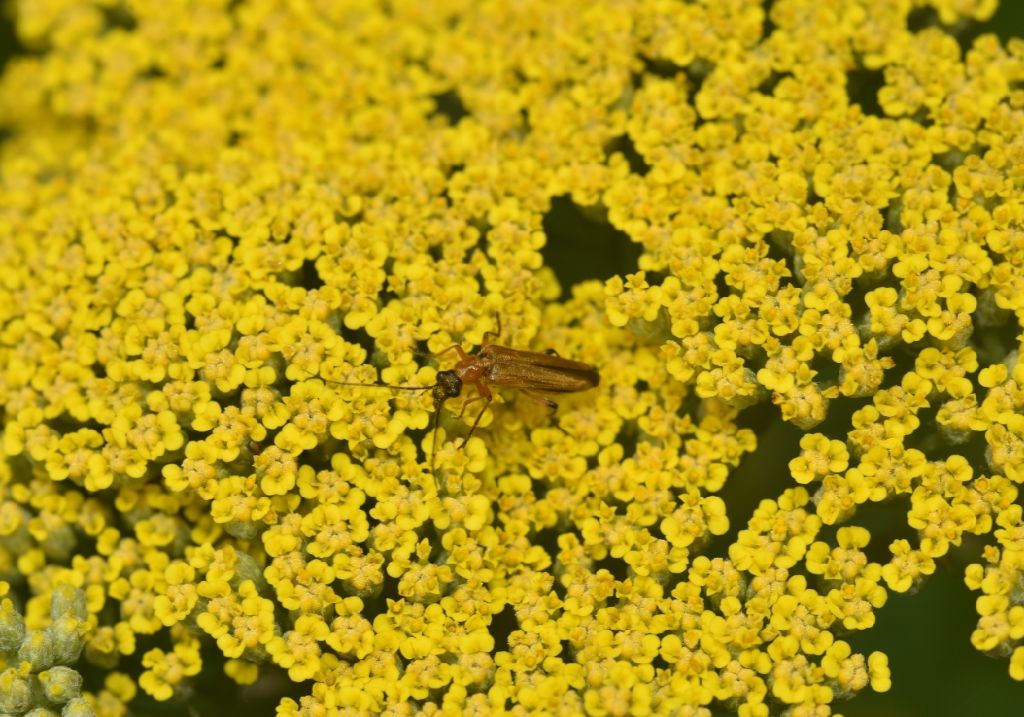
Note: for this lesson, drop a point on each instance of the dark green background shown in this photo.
(927, 635)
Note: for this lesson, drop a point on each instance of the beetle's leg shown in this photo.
(454, 347)
(542, 400)
(495, 334)
(479, 396)
(485, 393)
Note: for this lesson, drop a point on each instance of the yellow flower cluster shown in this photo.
(214, 213)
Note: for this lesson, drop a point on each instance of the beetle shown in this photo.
(530, 372)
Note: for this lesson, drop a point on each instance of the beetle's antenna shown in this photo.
(441, 394)
(433, 448)
(448, 385)
(379, 385)
(476, 422)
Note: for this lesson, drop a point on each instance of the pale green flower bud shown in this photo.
(15, 691)
(60, 684)
(241, 529)
(12, 628)
(78, 707)
(67, 640)
(59, 542)
(41, 712)
(38, 650)
(68, 600)
(247, 568)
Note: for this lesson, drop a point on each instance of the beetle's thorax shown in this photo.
(473, 369)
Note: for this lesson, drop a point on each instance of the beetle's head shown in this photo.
(448, 385)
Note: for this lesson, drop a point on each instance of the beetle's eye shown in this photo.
(455, 388)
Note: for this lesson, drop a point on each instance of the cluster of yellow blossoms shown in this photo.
(212, 212)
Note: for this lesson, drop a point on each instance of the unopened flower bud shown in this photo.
(68, 600)
(78, 707)
(38, 650)
(67, 640)
(60, 684)
(15, 690)
(12, 628)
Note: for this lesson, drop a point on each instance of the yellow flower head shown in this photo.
(245, 242)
